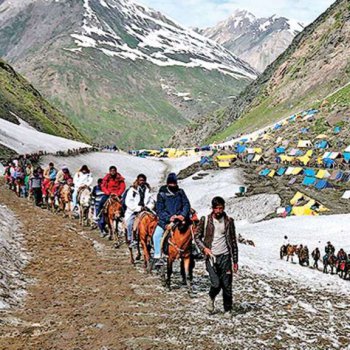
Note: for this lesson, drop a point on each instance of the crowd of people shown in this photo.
(215, 236)
(339, 262)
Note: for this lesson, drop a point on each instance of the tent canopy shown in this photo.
(346, 195)
(281, 171)
(310, 172)
(264, 172)
(323, 174)
(304, 144)
(224, 164)
(309, 181)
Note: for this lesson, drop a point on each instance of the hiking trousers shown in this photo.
(220, 274)
(38, 196)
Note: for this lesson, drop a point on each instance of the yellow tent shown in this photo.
(171, 152)
(226, 157)
(267, 137)
(257, 158)
(279, 139)
(297, 171)
(272, 173)
(323, 174)
(309, 153)
(319, 161)
(322, 137)
(297, 197)
(303, 211)
(225, 164)
(304, 143)
(258, 150)
(285, 158)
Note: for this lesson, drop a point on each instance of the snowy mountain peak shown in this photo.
(259, 41)
(144, 34)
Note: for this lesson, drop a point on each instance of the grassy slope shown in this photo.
(19, 97)
(263, 108)
(125, 103)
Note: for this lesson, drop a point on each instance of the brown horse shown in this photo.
(288, 250)
(50, 196)
(145, 229)
(113, 212)
(64, 199)
(180, 246)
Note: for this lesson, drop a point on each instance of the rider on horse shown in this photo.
(138, 199)
(112, 184)
(216, 237)
(82, 178)
(172, 205)
(329, 249)
(63, 177)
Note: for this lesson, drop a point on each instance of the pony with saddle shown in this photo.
(176, 245)
(113, 215)
(84, 201)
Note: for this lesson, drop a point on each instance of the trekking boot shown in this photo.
(228, 315)
(210, 305)
(159, 262)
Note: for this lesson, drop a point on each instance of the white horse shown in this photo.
(84, 201)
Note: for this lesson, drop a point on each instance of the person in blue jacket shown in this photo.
(172, 205)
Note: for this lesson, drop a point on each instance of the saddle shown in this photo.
(80, 190)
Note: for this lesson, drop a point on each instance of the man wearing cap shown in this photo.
(112, 184)
(172, 205)
(216, 237)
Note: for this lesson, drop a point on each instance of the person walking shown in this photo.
(216, 238)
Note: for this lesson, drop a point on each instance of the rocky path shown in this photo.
(85, 295)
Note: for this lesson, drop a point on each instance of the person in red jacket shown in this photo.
(112, 183)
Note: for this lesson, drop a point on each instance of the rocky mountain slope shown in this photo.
(314, 70)
(123, 73)
(258, 41)
(19, 99)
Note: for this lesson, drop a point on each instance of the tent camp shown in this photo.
(305, 160)
(336, 175)
(286, 159)
(257, 158)
(322, 137)
(272, 173)
(304, 144)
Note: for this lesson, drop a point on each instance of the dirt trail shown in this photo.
(85, 295)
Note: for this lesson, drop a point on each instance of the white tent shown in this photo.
(346, 195)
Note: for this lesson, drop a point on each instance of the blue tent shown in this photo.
(264, 172)
(322, 184)
(337, 130)
(280, 150)
(312, 111)
(328, 163)
(346, 156)
(240, 148)
(310, 172)
(281, 171)
(304, 130)
(250, 157)
(277, 126)
(322, 144)
(243, 140)
(339, 176)
(309, 181)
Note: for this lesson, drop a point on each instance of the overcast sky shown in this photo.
(204, 13)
